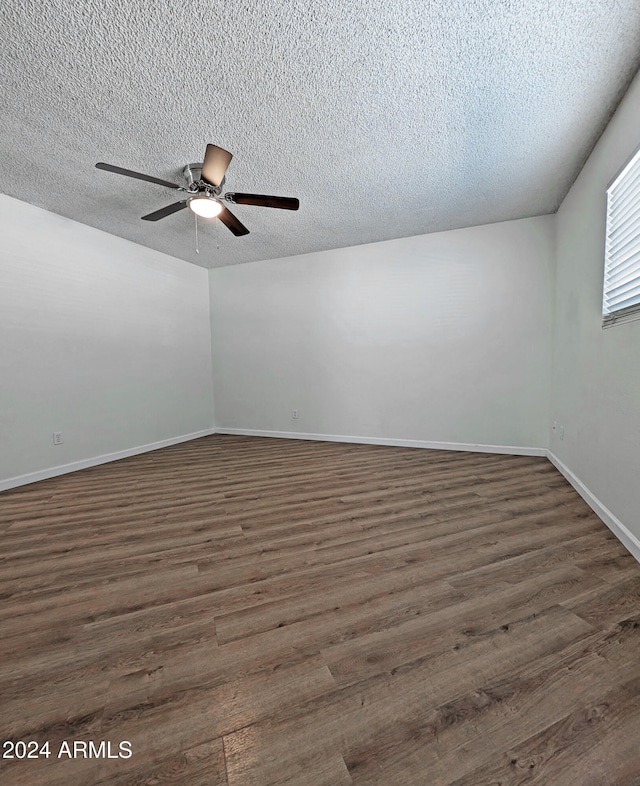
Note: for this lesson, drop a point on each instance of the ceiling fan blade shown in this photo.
(165, 211)
(216, 161)
(264, 200)
(232, 223)
(138, 175)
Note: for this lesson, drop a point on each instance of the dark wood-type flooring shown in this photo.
(248, 612)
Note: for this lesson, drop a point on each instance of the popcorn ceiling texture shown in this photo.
(385, 119)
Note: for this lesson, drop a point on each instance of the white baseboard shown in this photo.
(627, 538)
(397, 443)
(63, 469)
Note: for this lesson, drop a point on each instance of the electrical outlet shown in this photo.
(294, 414)
(57, 438)
(561, 432)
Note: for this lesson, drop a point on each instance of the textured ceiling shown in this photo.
(384, 119)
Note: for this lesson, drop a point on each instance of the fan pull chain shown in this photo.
(196, 218)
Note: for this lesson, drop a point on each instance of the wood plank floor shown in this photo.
(248, 612)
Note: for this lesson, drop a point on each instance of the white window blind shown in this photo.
(621, 298)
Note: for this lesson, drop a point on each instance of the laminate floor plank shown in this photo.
(611, 602)
(79, 571)
(591, 746)
(423, 635)
(504, 713)
(357, 711)
(76, 642)
(86, 604)
(203, 765)
(163, 717)
(251, 612)
(285, 611)
(580, 552)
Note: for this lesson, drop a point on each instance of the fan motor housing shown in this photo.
(192, 172)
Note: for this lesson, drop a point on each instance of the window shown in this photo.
(621, 299)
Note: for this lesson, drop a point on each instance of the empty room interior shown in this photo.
(325, 472)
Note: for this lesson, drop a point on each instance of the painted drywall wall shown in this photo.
(440, 338)
(596, 372)
(101, 339)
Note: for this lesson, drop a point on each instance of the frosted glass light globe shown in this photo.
(205, 206)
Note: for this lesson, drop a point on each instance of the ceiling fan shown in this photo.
(204, 188)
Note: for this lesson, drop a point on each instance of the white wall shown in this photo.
(443, 337)
(101, 339)
(596, 372)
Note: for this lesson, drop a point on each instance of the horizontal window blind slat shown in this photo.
(630, 181)
(619, 200)
(627, 245)
(616, 204)
(624, 290)
(618, 218)
(629, 226)
(621, 290)
(617, 264)
(619, 304)
(620, 212)
(619, 284)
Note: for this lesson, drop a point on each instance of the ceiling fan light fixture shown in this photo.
(205, 206)
(203, 195)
